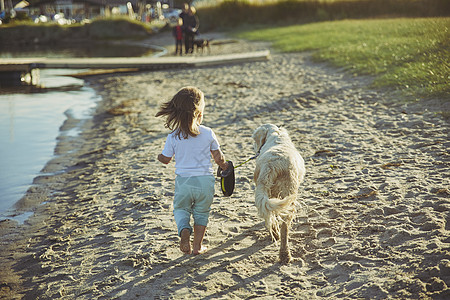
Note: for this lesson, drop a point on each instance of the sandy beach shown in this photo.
(374, 218)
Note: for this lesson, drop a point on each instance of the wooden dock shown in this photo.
(141, 63)
(17, 69)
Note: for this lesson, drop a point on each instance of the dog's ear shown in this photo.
(260, 136)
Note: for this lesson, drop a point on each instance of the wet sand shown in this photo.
(373, 223)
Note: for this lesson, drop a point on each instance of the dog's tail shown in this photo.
(273, 210)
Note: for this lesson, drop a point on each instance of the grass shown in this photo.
(224, 14)
(408, 54)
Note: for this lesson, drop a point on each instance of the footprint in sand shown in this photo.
(325, 236)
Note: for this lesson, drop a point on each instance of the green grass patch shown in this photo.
(408, 54)
(121, 27)
(223, 14)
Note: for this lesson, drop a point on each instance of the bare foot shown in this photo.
(185, 243)
(202, 250)
(199, 233)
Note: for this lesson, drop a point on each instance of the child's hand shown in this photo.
(225, 166)
(228, 170)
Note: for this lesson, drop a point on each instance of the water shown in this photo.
(30, 118)
(76, 50)
(29, 126)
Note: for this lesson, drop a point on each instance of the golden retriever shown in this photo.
(278, 173)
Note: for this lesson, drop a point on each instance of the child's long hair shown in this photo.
(182, 112)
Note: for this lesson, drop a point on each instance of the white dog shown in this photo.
(279, 171)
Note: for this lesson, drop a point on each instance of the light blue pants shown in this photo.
(193, 196)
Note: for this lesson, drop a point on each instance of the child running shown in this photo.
(192, 145)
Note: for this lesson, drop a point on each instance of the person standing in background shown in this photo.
(183, 16)
(178, 34)
(191, 29)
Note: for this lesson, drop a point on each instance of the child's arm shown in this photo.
(164, 159)
(219, 158)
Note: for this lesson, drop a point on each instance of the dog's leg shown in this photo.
(274, 232)
(285, 255)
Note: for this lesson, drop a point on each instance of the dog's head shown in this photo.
(262, 133)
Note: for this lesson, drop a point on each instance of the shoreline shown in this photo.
(34, 127)
(374, 221)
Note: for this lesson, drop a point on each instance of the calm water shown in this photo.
(29, 126)
(30, 120)
(76, 50)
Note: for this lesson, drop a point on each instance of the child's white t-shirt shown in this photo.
(192, 155)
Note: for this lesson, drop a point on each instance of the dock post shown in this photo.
(19, 74)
